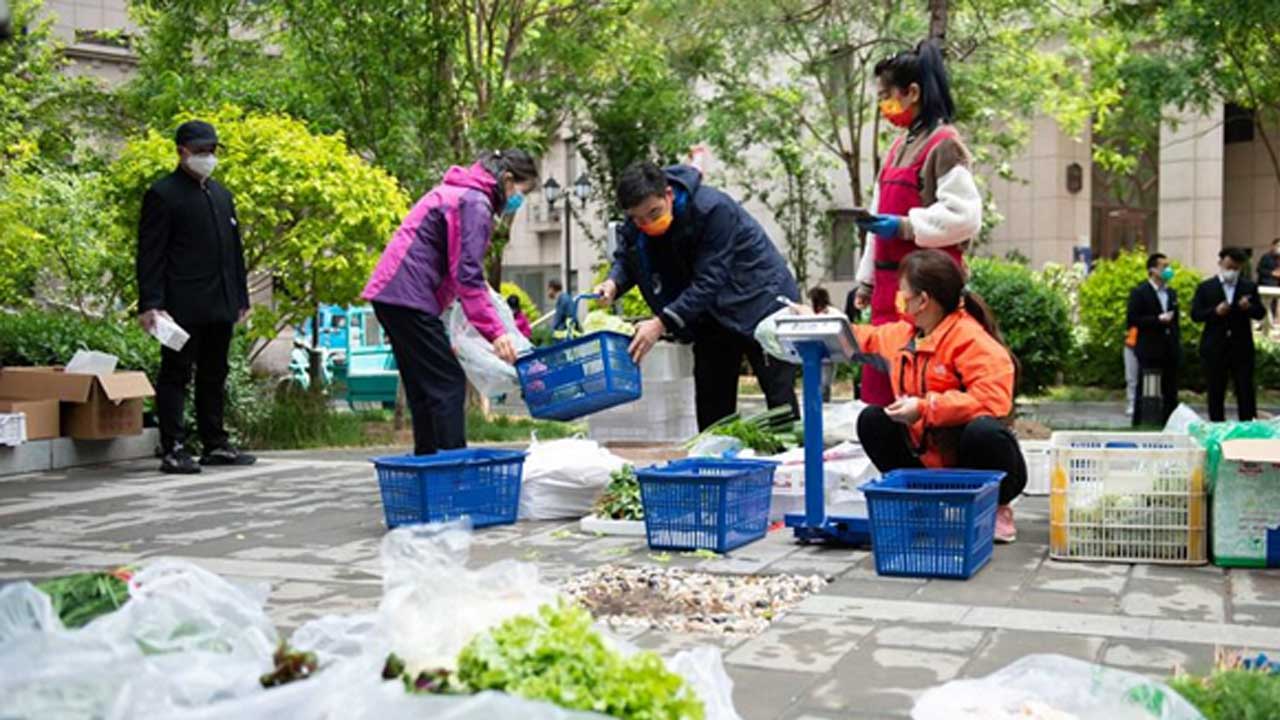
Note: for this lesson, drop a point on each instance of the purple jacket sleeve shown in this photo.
(475, 223)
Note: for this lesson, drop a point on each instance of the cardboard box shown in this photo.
(43, 422)
(94, 407)
(1246, 505)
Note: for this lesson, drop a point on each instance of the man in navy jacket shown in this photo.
(709, 273)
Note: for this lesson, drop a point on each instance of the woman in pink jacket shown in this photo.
(436, 256)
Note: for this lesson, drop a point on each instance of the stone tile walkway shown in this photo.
(310, 524)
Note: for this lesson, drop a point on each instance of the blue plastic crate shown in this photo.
(706, 503)
(482, 484)
(933, 523)
(578, 377)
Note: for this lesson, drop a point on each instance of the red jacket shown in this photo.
(959, 371)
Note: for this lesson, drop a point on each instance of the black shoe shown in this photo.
(227, 455)
(179, 462)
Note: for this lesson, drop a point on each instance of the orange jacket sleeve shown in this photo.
(986, 369)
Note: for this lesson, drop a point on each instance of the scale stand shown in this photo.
(812, 340)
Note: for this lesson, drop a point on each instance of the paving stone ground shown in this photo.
(310, 524)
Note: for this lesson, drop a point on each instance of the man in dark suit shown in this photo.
(1153, 309)
(1228, 304)
(191, 270)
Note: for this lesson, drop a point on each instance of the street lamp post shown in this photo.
(552, 192)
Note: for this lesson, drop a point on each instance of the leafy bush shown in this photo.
(1267, 370)
(1033, 317)
(633, 304)
(526, 303)
(52, 338)
(1231, 694)
(1104, 300)
(298, 419)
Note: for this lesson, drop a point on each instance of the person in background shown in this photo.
(710, 274)
(522, 322)
(1269, 275)
(820, 299)
(1130, 369)
(1228, 304)
(925, 197)
(563, 305)
(190, 268)
(953, 380)
(1153, 309)
(435, 256)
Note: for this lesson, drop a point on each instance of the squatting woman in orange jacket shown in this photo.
(953, 381)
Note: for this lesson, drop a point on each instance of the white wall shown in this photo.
(1191, 191)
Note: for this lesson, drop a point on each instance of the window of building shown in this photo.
(842, 248)
(1238, 124)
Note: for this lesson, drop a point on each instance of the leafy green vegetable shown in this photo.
(556, 656)
(621, 500)
(81, 597)
(1232, 694)
(598, 320)
(763, 432)
(290, 665)
(433, 682)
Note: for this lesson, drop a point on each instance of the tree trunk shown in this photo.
(314, 368)
(397, 422)
(938, 21)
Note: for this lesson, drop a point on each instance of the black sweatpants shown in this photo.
(1235, 363)
(207, 350)
(717, 358)
(1168, 393)
(434, 383)
(985, 444)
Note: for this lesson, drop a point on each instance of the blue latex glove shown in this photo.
(882, 225)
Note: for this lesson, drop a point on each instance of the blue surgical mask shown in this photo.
(513, 204)
(1167, 274)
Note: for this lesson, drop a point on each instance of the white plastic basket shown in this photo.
(1036, 453)
(1127, 497)
(13, 429)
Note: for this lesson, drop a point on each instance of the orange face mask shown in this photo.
(897, 115)
(658, 227)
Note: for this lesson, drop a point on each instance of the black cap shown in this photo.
(196, 133)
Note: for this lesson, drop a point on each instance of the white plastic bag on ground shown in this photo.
(564, 478)
(1181, 419)
(25, 610)
(490, 375)
(703, 669)
(840, 421)
(1038, 686)
(716, 446)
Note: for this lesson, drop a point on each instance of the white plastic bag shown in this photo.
(1045, 684)
(1181, 419)
(564, 478)
(716, 446)
(840, 421)
(766, 332)
(486, 371)
(703, 668)
(25, 610)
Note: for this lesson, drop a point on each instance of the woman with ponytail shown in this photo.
(952, 379)
(925, 196)
(437, 256)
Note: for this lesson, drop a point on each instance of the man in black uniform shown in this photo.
(1227, 304)
(191, 269)
(1153, 309)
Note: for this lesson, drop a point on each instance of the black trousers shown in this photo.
(1168, 393)
(984, 444)
(1236, 364)
(207, 350)
(717, 358)
(434, 383)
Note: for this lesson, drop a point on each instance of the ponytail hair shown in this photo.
(519, 163)
(923, 66)
(934, 272)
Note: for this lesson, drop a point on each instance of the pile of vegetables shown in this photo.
(1237, 688)
(81, 597)
(290, 665)
(621, 499)
(598, 320)
(767, 433)
(1129, 525)
(555, 656)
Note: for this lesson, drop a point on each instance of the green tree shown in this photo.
(313, 215)
(1033, 316)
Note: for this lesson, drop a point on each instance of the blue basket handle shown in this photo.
(572, 329)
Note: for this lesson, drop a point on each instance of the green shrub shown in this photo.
(1267, 370)
(527, 305)
(1231, 694)
(633, 304)
(297, 419)
(1033, 318)
(1104, 301)
(34, 337)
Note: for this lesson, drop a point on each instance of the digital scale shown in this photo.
(812, 340)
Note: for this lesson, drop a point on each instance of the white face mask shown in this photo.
(1229, 276)
(202, 164)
